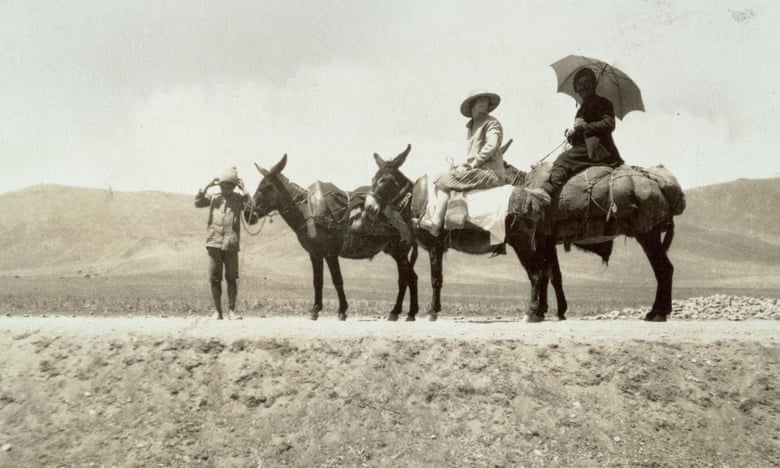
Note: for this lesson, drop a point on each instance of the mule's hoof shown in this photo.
(342, 317)
(561, 317)
(534, 318)
(314, 316)
(410, 318)
(655, 317)
(393, 317)
(432, 316)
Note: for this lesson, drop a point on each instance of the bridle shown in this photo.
(289, 204)
(403, 196)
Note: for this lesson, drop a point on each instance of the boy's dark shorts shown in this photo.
(218, 259)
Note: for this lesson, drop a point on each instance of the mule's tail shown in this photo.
(669, 236)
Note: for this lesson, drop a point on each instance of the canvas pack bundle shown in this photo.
(640, 198)
(669, 186)
(652, 205)
(586, 194)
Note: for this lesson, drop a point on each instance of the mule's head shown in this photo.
(388, 183)
(267, 197)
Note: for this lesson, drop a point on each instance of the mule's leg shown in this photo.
(316, 268)
(338, 283)
(405, 273)
(411, 281)
(436, 254)
(532, 262)
(536, 303)
(399, 298)
(557, 280)
(544, 282)
(546, 266)
(663, 270)
(407, 278)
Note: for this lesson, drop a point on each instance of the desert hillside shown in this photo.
(729, 234)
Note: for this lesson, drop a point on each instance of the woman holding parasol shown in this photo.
(594, 122)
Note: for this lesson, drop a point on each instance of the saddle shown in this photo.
(328, 205)
(477, 210)
(333, 209)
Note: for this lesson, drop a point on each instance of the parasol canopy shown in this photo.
(611, 83)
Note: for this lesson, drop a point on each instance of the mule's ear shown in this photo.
(280, 165)
(378, 159)
(399, 160)
(262, 171)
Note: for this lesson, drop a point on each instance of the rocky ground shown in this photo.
(285, 391)
(716, 307)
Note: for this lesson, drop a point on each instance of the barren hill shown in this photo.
(59, 229)
(729, 234)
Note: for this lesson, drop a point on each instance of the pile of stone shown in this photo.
(717, 307)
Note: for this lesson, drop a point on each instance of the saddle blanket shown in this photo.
(485, 209)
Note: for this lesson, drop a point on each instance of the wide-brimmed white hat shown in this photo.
(465, 107)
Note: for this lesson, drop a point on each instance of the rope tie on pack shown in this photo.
(589, 192)
(595, 202)
(612, 204)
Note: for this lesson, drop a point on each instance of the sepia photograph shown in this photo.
(389, 233)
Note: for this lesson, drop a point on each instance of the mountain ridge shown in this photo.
(55, 229)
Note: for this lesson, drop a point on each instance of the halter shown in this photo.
(290, 204)
(291, 207)
(402, 199)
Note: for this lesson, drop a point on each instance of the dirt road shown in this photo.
(298, 328)
(152, 391)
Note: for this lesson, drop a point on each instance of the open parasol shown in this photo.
(611, 83)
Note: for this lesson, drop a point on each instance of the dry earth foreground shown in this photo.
(276, 391)
(109, 359)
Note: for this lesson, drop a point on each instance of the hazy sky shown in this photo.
(164, 95)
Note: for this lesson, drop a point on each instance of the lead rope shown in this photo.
(245, 223)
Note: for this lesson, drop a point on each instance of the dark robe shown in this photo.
(593, 146)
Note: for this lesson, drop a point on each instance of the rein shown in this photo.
(551, 152)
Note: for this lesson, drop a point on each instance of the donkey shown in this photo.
(533, 238)
(330, 238)
(394, 193)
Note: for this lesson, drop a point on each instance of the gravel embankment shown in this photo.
(717, 307)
